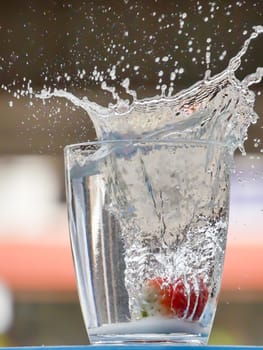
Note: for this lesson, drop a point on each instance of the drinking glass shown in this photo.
(148, 225)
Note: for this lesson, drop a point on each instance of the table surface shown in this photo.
(136, 347)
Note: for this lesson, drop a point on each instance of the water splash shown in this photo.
(218, 108)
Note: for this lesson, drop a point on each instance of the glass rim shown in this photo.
(146, 141)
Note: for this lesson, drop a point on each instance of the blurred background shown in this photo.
(58, 44)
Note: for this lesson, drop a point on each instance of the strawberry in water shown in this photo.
(197, 299)
(176, 298)
(163, 290)
(157, 296)
(202, 299)
(179, 299)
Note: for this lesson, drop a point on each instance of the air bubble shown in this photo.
(165, 59)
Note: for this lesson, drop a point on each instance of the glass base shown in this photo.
(178, 338)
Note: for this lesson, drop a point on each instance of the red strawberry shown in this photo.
(196, 303)
(163, 289)
(202, 299)
(192, 301)
(179, 299)
(171, 298)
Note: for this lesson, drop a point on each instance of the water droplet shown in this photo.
(181, 70)
(172, 76)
